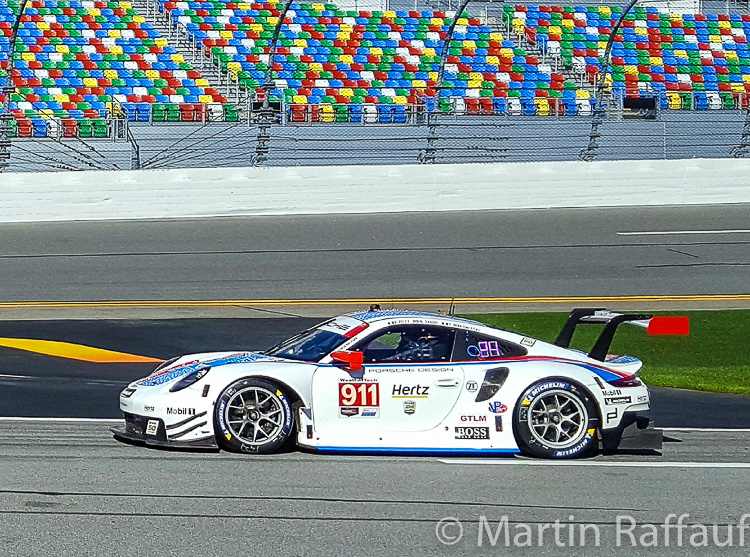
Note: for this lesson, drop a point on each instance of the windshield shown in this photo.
(308, 346)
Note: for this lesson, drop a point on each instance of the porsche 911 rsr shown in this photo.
(401, 382)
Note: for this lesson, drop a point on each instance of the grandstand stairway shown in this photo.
(150, 9)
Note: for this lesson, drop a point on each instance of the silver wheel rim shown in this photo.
(254, 415)
(557, 419)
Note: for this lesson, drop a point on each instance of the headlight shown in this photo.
(191, 378)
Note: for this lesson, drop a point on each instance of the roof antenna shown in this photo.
(374, 307)
(453, 307)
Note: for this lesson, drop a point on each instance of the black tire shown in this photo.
(254, 416)
(542, 430)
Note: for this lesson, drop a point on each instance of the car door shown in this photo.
(407, 382)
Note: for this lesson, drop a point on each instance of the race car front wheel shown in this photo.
(555, 418)
(253, 416)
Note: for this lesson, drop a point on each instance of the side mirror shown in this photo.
(353, 360)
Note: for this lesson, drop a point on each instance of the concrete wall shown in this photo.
(27, 197)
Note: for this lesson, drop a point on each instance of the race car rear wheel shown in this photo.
(555, 418)
(253, 416)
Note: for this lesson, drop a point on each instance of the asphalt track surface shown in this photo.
(69, 488)
(561, 252)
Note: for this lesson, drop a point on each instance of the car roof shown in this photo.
(377, 315)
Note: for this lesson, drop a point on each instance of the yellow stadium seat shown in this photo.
(326, 113)
(674, 101)
(115, 33)
(301, 43)
(469, 44)
(582, 94)
(202, 83)
(390, 14)
(139, 19)
(475, 84)
(399, 99)
(90, 82)
(94, 12)
(205, 99)
(493, 61)
(496, 36)
(347, 92)
(299, 99)
(542, 106)
(656, 61)
(62, 98)
(272, 20)
(344, 35)
(112, 74)
(433, 76)
(316, 66)
(62, 49)
(376, 51)
(429, 51)
(318, 7)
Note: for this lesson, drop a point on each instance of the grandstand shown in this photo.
(126, 70)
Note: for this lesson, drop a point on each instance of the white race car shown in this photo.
(401, 382)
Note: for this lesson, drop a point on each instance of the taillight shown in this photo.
(631, 381)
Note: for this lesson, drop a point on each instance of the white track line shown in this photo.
(61, 420)
(675, 232)
(595, 463)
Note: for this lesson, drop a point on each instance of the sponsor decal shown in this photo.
(152, 427)
(359, 393)
(410, 406)
(612, 415)
(411, 369)
(349, 411)
(577, 448)
(497, 407)
(472, 386)
(410, 391)
(473, 418)
(370, 412)
(180, 411)
(546, 387)
(612, 392)
(618, 400)
(642, 398)
(148, 408)
(287, 409)
(526, 341)
(222, 424)
(472, 433)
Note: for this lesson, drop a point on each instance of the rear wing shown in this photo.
(653, 325)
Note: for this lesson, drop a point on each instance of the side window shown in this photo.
(408, 343)
(471, 346)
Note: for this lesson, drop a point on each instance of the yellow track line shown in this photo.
(75, 351)
(389, 301)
